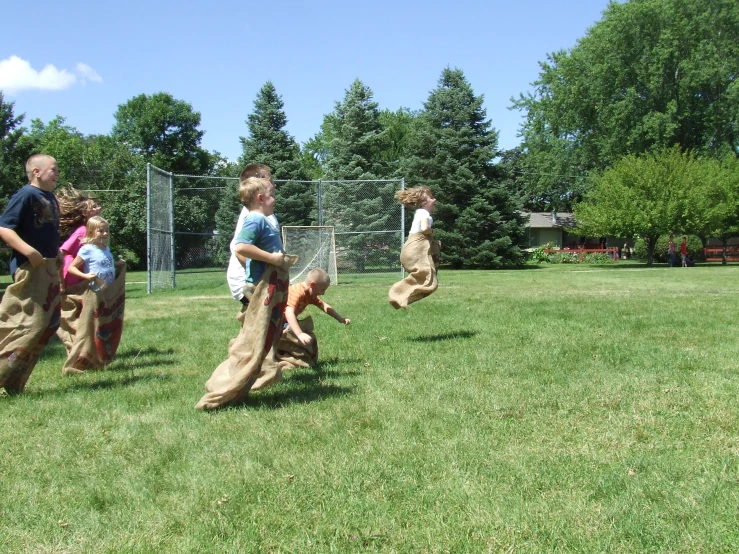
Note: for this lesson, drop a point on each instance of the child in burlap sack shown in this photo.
(29, 311)
(74, 211)
(420, 253)
(298, 346)
(98, 325)
(253, 354)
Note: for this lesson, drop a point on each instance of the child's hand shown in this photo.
(305, 339)
(278, 258)
(35, 258)
(347, 321)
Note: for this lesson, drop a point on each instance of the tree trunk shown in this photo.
(650, 243)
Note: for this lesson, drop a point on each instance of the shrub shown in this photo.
(597, 258)
(539, 256)
(565, 258)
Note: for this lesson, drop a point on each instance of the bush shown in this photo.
(598, 258)
(565, 258)
(539, 256)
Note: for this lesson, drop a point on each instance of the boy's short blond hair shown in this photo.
(255, 170)
(250, 187)
(318, 276)
(36, 161)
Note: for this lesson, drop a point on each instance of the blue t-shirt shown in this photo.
(258, 230)
(33, 214)
(100, 262)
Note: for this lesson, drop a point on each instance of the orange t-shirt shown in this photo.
(298, 298)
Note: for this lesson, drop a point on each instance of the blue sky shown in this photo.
(81, 59)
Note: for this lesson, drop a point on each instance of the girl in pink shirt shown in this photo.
(75, 209)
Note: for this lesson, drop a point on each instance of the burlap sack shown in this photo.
(291, 353)
(71, 307)
(420, 258)
(29, 316)
(253, 354)
(97, 326)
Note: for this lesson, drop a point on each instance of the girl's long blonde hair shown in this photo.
(72, 209)
(93, 224)
(414, 197)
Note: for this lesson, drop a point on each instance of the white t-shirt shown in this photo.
(417, 217)
(236, 273)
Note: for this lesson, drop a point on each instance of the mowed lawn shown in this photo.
(553, 409)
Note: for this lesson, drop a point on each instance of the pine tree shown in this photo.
(270, 144)
(452, 151)
(355, 150)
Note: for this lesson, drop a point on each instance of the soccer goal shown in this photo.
(315, 247)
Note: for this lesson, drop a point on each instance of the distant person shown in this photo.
(684, 251)
(30, 309)
(420, 253)
(672, 252)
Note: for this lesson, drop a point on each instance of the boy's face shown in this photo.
(47, 174)
(267, 201)
(318, 289)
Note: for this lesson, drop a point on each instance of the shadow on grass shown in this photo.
(88, 382)
(452, 335)
(304, 385)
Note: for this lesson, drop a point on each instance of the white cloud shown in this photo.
(17, 74)
(86, 72)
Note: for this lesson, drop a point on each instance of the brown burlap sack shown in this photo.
(291, 353)
(253, 354)
(29, 316)
(71, 307)
(96, 327)
(420, 258)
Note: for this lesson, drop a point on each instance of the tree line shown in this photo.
(635, 128)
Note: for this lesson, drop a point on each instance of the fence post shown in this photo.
(171, 215)
(320, 202)
(402, 227)
(148, 228)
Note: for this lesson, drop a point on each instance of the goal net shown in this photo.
(315, 247)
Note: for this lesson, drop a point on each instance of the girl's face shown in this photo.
(101, 237)
(429, 204)
(93, 210)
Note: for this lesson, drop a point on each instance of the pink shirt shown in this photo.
(70, 247)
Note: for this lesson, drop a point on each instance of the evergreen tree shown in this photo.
(451, 151)
(354, 144)
(13, 154)
(270, 144)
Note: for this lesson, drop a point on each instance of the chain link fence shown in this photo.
(191, 220)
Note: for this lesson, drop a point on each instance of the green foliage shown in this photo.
(649, 75)
(13, 152)
(164, 131)
(564, 258)
(597, 258)
(695, 248)
(539, 255)
(451, 151)
(646, 196)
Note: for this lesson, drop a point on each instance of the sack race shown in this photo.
(94, 324)
(420, 258)
(252, 354)
(291, 353)
(29, 316)
(71, 307)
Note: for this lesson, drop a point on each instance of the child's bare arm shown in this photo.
(74, 269)
(292, 321)
(425, 227)
(336, 315)
(255, 253)
(19, 245)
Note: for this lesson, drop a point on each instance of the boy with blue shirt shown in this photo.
(30, 308)
(259, 239)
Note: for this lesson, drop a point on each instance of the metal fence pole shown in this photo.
(320, 203)
(148, 227)
(171, 221)
(402, 226)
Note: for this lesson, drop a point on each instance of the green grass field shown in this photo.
(552, 409)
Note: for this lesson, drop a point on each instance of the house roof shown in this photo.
(546, 220)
